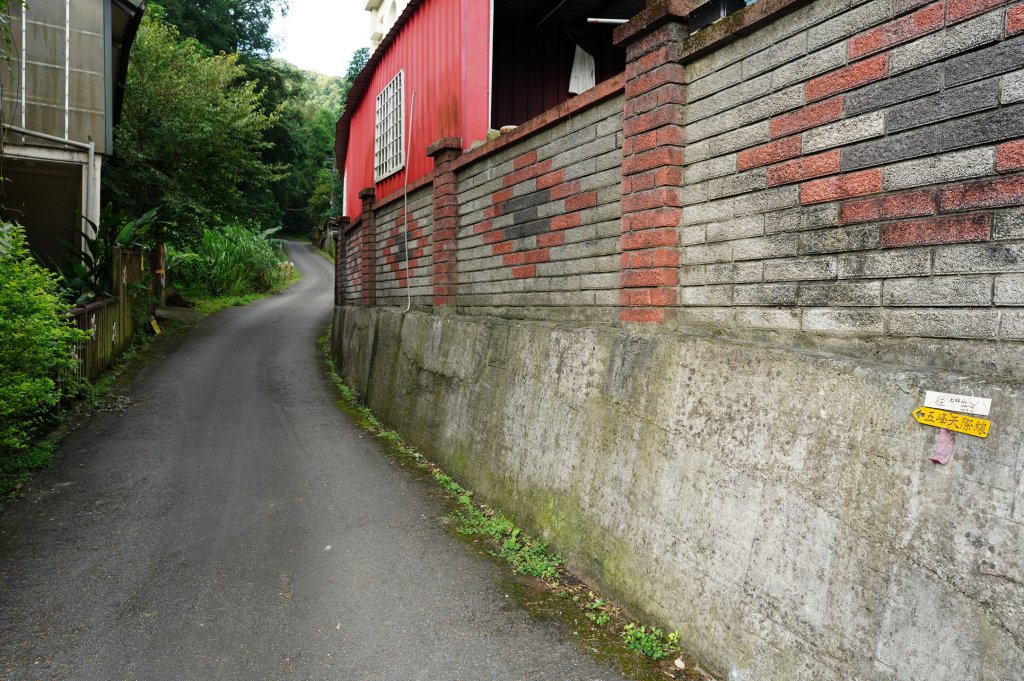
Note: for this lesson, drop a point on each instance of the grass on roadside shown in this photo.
(525, 554)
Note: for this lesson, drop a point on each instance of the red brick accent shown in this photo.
(368, 248)
(911, 204)
(947, 229)
(644, 297)
(805, 168)
(841, 187)
(650, 277)
(766, 154)
(566, 189)
(551, 179)
(653, 119)
(551, 239)
(808, 117)
(651, 199)
(663, 257)
(650, 238)
(1001, 191)
(1010, 156)
(652, 219)
(848, 78)
(904, 29)
(524, 272)
(526, 257)
(445, 219)
(565, 221)
(502, 248)
(958, 10)
(581, 201)
(648, 62)
(501, 195)
(528, 173)
(1015, 19)
(666, 74)
(652, 160)
(527, 159)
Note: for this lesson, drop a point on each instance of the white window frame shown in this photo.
(389, 129)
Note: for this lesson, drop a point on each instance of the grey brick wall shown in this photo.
(854, 169)
(538, 233)
(403, 262)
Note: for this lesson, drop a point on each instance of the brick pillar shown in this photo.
(445, 218)
(652, 160)
(368, 247)
(339, 261)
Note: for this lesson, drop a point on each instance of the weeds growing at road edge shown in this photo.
(526, 555)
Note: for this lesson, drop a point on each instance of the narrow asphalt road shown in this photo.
(230, 523)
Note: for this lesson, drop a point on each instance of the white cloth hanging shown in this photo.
(584, 72)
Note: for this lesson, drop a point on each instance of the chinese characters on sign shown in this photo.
(960, 423)
(965, 403)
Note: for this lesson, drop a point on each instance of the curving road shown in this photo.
(230, 523)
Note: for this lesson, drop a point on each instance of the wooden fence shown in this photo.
(110, 321)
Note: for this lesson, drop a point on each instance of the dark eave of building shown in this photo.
(125, 18)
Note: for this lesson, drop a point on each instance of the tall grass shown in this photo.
(229, 261)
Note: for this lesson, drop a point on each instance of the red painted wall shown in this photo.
(445, 51)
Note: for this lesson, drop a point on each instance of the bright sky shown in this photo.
(321, 35)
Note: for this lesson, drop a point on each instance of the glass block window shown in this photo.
(388, 152)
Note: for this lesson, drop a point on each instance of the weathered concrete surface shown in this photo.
(776, 506)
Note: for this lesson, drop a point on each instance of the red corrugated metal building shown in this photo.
(472, 65)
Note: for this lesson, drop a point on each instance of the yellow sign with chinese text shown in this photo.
(961, 423)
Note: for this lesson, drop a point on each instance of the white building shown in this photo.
(383, 15)
(62, 87)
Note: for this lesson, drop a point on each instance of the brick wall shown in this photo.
(538, 223)
(400, 275)
(349, 280)
(854, 169)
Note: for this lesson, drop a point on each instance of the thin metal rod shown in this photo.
(405, 205)
(597, 20)
(553, 10)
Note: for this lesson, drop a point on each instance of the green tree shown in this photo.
(330, 95)
(191, 138)
(226, 25)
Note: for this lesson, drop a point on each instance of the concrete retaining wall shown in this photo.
(775, 506)
(679, 326)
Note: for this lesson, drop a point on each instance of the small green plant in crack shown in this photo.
(598, 610)
(389, 436)
(652, 642)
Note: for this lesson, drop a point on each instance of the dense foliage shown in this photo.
(214, 137)
(36, 343)
(226, 25)
(230, 261)
(191, 135)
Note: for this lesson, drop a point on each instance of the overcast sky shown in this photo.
(321, 35)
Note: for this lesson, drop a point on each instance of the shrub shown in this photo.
(36, 342)
(228, 261)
